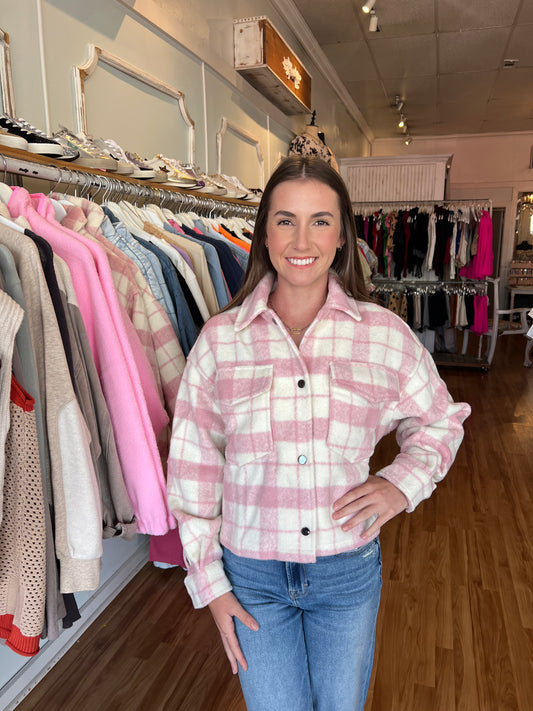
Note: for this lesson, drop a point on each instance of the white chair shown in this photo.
(504, 323)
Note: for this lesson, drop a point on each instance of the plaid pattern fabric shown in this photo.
(151, 323)
(267, 436)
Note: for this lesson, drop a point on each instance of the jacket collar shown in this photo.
(255, 303)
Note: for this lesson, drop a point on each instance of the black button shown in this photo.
(301, 383)
(305, 531)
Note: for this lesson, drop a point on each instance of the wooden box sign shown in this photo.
(265, 60)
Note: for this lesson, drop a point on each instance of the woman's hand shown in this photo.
(224, 609)
(376, 497)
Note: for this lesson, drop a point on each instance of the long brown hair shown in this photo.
(346, 264)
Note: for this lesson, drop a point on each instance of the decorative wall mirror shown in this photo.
(524, 224)
(7, 99)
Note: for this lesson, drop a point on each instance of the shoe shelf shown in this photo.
(33, 165)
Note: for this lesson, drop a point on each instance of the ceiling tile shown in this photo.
(474, 50)
(457, 15)
(526, 13)
(521, 47)
(513, 83)
(413, 90)
(367, 94)
(468, 86)
(327, 26)
(502, 126)
(398, 18)
(405, 56)
(352, 60)
(500, 110)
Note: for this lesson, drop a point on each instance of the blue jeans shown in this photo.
(315, 645)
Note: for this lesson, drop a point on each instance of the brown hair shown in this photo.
(346, 264)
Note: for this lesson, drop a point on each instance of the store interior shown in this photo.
(424, 108)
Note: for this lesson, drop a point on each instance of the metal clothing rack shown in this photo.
(458, 286)
(385, 205)
(99, 185)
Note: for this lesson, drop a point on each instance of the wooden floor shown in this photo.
(455, 629)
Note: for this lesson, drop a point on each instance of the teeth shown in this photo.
(298, 262)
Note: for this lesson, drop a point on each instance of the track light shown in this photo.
(399, 104)
(367, 7)
(407, 140)
(401, 122)
(373, 24)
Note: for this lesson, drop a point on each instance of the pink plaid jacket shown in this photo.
(267, 436)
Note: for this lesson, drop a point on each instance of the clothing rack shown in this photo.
(430, 286)
(99, 185)
(480, 361)
(481, 204)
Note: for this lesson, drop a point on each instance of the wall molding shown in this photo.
(6, 77)
(227, 125)
(84, 71)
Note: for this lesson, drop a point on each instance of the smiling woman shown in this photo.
(302, 243)
(283, 400)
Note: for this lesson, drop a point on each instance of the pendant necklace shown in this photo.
(292, 331)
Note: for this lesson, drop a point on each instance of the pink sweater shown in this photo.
(127, 381)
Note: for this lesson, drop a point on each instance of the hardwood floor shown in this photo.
(455, 629)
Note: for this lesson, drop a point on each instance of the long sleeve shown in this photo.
(429, 432)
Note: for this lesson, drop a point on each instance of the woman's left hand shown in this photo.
(376, 497)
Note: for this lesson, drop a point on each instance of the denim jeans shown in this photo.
(315, 645)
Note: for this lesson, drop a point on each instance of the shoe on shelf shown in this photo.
(174, 173)
(12, 140)
(235, 181)
(148, 172)
(137, 171)
(89, 156)
(206, 184)
(36, 141)
(123, 167)
(232, 190)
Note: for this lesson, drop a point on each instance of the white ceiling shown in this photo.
(444, 58)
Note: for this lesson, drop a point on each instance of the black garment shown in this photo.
(469, 308)
(398, 250)
(46, 256)
(444, 231)
(232, 270)
(360, 230)
(438, 313)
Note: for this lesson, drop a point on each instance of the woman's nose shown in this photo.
(301, 238)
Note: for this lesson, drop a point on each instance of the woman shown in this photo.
(283, 399)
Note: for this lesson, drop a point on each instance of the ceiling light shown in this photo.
(369, 4)
(373, 24)
(401, 122)
(407, 140)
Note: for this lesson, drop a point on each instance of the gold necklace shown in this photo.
(292, 331)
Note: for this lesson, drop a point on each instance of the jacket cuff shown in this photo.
(207, 584)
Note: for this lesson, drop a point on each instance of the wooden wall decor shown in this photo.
(263, 57)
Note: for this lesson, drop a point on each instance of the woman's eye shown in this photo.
(322, 222)
(285, 221)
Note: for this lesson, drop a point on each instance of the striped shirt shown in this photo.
(266, 436)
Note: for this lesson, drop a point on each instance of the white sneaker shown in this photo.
(175, 175)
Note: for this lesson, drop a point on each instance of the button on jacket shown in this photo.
(266, 436)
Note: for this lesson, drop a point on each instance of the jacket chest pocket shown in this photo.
(358, 394)
(244, 394)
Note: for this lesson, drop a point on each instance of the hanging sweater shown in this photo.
(22, 533)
